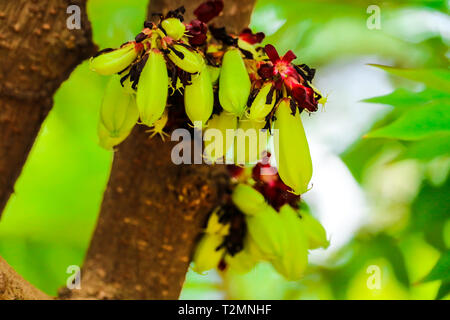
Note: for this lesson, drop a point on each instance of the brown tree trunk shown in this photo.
(37, 53)
(153, 210)
(14, 287)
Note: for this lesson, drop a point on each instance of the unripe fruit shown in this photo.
(248, 200)
(234, 83)
(115, 61)
(214, 73)
(199, 97)
(186, 58)
(292, 151)
(215, 137)
(266, 229)
(174, 28)
(241, 262)
(293, 259)
(206, 255)
(250, 141)
(153, 88)
(263, 103)
(118, 115)
(317, 236)
(215, 227)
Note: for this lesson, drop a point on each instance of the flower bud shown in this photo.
(206, 255)
(199, 97)
(174, 28)
(263, 103)
(115, 61)
(153, 88)
(187, 59)
(234, 83)
(118, 115)
(292, 156)
(248, 200)
(215, 137)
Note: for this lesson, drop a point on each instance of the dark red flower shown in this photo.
(235, 171)
(209, 10)
(197, 32)
(268, 182)
(248, 36)
(285, 72)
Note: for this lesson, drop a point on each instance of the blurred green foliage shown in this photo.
(48, 222)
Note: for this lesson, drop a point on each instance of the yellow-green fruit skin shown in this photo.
(248, 200)
(293, 259)
(292, 150)
(215, 137)
(191, 62)
(234, 83)
(206, 255)
(153, 88)
(259, 109)
(214, 73)
(317, 236)
(114, 61)
(174, 28)
(199, 98)
(251, 141)
(118, 115)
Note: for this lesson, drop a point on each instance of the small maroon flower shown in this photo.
(286, 74)
(197, 32)
(248, 36)
(270, 185)
(209, 10)
(235, 171)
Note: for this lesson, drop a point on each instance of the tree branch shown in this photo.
(14, 287)
(153, 210)
(38, 52)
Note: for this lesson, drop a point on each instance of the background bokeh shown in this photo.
(384, 199)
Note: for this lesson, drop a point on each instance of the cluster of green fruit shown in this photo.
(227, 82)
(281, 237)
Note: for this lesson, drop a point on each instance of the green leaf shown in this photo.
(444, 289)
(417, 124)
(427, 149)
(402, 98)
(441, 271)
(438, 79)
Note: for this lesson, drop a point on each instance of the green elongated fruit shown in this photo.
(250, 141)
(317, 236)
(241, 262)
(186, 59)
(263, 103)
(174, 28)
(206, 255)
(115, 61)
(292, 150)
(266, 230)
(234, 83)
(214, 225)
(216, 138)
(153, 88)
(248, 200)
(118, 115)
(293, 260)
(199, 98)
(214, 73)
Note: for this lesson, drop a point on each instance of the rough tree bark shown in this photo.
(153, 210)
(37, 53)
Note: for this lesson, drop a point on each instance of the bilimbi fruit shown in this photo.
(263, 103)
(174, 28)
(208, 253)
(216, 138)
(153, 88)
(292, 154)
(118, 115)
(111, 62)
(187, 59)
(248, 200)
(250, 141)
(199, 97)
(234, 83)
(317, 236)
